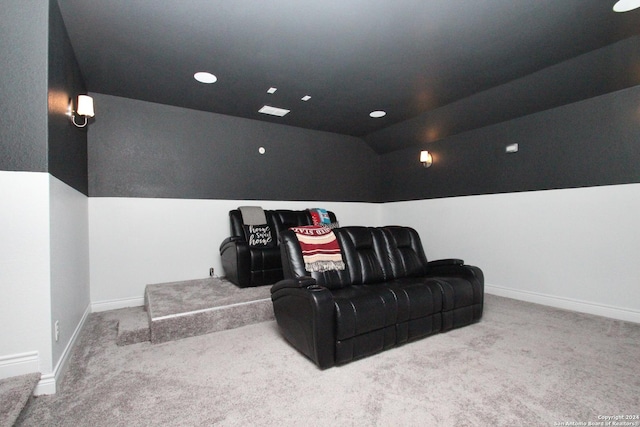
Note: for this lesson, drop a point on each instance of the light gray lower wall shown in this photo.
(571, 248)
(69, 242)
(138, 241)
(25, 302)
(44, 274)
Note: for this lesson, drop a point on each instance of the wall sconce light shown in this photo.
(84, 109)
(425, 158)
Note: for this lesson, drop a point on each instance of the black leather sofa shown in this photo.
(246, 265)
(387, 295)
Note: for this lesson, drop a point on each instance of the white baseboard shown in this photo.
(46, 385)
(48, 382)
(115, 304)
(566, 303)
(19, 364)
(27, 363)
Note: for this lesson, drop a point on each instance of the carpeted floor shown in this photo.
(523, 364)
(14, 394)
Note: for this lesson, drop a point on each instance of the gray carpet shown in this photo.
(167, 299)
(523, 364)
(133, 326)
(14, 395)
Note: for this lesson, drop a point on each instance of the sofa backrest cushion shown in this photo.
(238, 227)
(285, 219)
(293, 264)
(360, 255)
(372, 255)
(401, 252)
(260, 236)
(277, 220)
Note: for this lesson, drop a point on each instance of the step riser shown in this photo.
(128, 337)
(220, 319)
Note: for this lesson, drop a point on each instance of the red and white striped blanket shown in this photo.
(320, 248)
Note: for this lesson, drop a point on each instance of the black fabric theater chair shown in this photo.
(258, 262)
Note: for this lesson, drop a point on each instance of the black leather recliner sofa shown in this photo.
(247, 265)
(387, 295)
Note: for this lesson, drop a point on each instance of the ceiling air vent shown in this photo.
(274, 111)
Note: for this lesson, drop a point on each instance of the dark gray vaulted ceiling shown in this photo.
(437, 67)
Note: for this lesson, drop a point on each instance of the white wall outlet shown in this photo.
(57, 330)
(211, 272)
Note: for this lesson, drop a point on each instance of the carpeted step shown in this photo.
(133, 326)
(196, 307)
(14, 396)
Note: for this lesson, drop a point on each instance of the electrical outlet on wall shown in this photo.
(211, 272)
(57, 330)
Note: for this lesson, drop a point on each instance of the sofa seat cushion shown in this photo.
(421, 316)
(360, 309)
(462, 302)
(456, 292)
(267, 258)
(364, 308)
(417, 297)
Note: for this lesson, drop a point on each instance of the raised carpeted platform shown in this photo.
(184, 309)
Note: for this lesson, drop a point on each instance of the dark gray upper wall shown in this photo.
(67, 151)
(23, 85)
(142, 149)
(609, 69)
(588, 143)
(39, 75)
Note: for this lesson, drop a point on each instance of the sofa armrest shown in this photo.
(229, 241)
(304, 282)
(455, 267)
(236, 261)
(458, 269)
(305, 314)
(443, 262)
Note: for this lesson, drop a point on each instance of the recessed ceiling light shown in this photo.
(272, 90)
(626, 5)
(274, 111)
(377, 114)
(204, 77)
(306, 98)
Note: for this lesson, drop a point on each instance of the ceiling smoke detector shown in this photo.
(274, 111)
